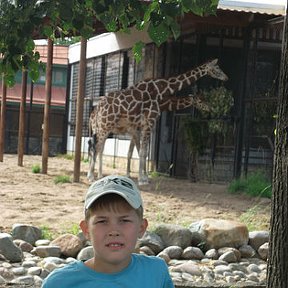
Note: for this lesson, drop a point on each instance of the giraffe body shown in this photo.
(172, 103)
(135, 110)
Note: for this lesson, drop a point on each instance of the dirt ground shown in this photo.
(30, 198)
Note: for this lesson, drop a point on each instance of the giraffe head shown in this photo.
(214, 70)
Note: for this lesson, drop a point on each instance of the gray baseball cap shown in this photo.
(120, 185)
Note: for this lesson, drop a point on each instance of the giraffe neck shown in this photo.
(174, 84)
(175, 103)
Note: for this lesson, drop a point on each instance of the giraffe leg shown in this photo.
(100, 173)
(134, 141)
(100, 149)
(129, 156)
(143, 177)
(92, 157)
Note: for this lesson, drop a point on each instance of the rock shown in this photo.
(224, 250)
(153, 241)
(19, 271)
(27, 233)
(218, 233)
(54, 260)
(27, 280)
(263, 251)
(146, 250)
(2, 257)
(69, 244)
(42, 242)
(229, 257)
(192, 253)
(187, 267)
(164, 256)
(221, 269)
(8, 249)
(2, 280)
(23, 245)
(257, 238)
(174, 252)
(34, 271)
(86, 253)
(174, 235)
(247, 251)
(28, 263)
(212, 254)
(47, 251)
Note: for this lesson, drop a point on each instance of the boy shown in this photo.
(113, 223)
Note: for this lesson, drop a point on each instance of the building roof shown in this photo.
(273, 7)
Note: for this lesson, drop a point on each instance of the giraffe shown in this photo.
(172, 103)
(135, 110)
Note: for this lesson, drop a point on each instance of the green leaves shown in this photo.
(22, 20)
(159, 34)
(137, 51)
(200, 7)
(220, 100)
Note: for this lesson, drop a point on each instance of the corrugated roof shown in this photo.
(274, 7)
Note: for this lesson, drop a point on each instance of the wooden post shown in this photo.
(79, 111)
(3, 119)
(22, 112)
(45, 127)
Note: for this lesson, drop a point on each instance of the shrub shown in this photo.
(72, 229)
(60, 179)
(46, 233)
(66, 156)
(255, 184)
(36, 168)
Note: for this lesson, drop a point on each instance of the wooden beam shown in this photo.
(79, 110)
(3, 119)
(48, 89)
(21, 131)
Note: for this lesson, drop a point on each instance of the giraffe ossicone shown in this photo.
(135, 110)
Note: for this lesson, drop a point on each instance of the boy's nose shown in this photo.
(114, 233)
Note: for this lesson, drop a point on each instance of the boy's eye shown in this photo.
(101, 222)
(126, 220)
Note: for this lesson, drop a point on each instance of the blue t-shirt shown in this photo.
(143, 271)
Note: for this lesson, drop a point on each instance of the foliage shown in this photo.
(66, 41)
(264, 117)
(46, 233)
(36, 168)
(193, 134)
(22, 21)
(66, 156)
(255, 184)
(220, 101)
(253, 219)
(73, 229)
(60, 179)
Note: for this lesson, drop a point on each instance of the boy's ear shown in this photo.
(84, 228)
(143, 227)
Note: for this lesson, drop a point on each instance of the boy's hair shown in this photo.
(111, 202)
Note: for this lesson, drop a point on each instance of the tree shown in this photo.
(277, 275)
(22, 21)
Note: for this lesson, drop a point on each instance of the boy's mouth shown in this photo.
(115, 245)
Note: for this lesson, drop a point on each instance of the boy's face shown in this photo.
(113, 233)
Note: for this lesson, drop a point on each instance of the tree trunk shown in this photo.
(277, 272)
(79, 110)
(22, 112)
(48, 95)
